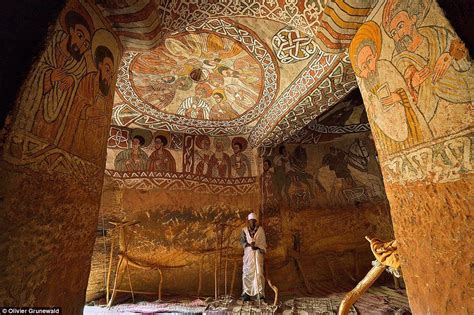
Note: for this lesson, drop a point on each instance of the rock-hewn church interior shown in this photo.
(236, 157)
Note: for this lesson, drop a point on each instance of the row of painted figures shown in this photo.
(204, 161)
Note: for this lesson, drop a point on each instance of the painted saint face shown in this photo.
(218, 98)
(206, 144)
(236, 148)
(266, 166)
(106, 68)
(212, 62)
(135, 144)
(219, 146)
(401, 29)
(169, 79)
(366, 62)
(78, 41)
(158, 143)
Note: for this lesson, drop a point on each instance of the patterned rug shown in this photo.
(376, 301)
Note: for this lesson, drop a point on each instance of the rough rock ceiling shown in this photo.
(253, 68)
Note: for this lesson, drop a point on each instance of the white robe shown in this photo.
(253, 280)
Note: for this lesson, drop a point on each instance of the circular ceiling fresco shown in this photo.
(216, 74)
(198, 75)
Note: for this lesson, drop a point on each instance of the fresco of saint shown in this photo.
(197, 106)
(203, 155)
(267, 182)
(434, 62)
(87, 124)
(221, 109)
(161, 160)
(239, 162)
(198, 75)
(133, 159)
(396, 122)
(57, 75)
(220, 161)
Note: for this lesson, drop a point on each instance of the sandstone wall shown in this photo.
(52, 160)
(186, 221)
(416, 79)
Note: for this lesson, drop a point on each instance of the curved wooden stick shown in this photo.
(109, 272)
(361, 287)
(118, 275)
(275, 289)
(130, 281)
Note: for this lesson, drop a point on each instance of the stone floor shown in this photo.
(380, 300)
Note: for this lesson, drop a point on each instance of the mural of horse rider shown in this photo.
(337, 161)
(281, 165)
(297, 173)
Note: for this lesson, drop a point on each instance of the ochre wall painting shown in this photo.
(190, 216)
(54, 154)
(199, 75)
(188, 193)
(139, 158)
(324, 175)
(319, 201)
(417, 81)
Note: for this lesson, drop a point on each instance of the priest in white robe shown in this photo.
(254, 243)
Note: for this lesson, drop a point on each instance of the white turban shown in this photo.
(252, 216)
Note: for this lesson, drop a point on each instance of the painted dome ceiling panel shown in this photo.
(141, 24)
(224, 67)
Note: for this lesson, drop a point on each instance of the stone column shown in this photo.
(52, 164)
(417, 82)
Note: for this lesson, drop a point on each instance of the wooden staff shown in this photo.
(117, 280)
(361, 287)
(275, 290)
(129, 280)
(107, 288)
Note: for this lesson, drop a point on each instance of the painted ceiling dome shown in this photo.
(215, 74)
(221, 69)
